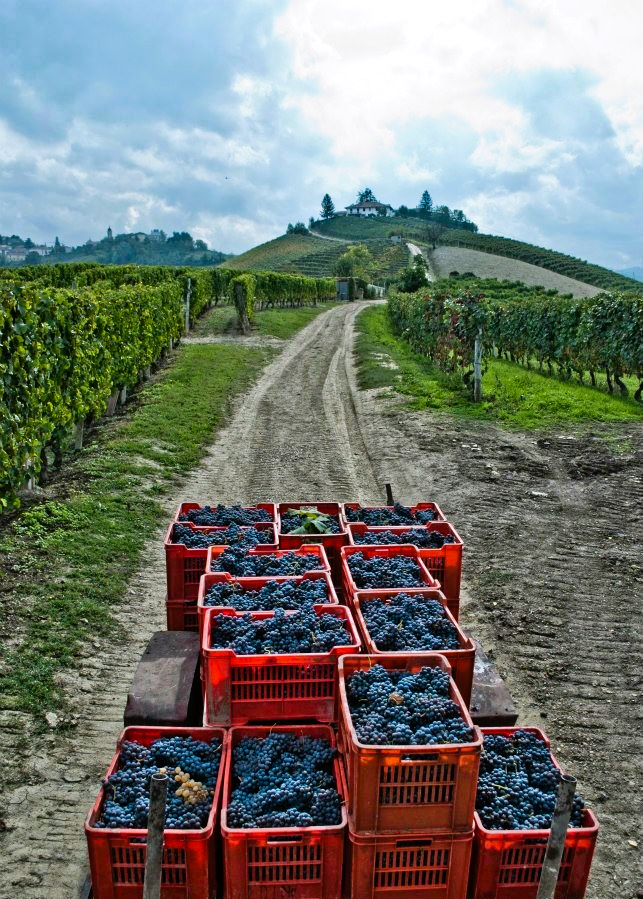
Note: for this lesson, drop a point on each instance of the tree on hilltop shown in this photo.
(327, 207)
(426, 203)
(366, 196)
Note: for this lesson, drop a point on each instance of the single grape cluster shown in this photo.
(418, 536)
(239, 562)
(400, 708)
(245, 538)
(380, 573)
(408, 622)
(301, 631)
(192, 766)
(221, 516)
(283, 780)
(273, 595)
(518, 784)
(385, 515)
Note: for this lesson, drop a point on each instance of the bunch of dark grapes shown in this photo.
(384, 515)
(283, 780)
(238, 562)
(302, 631)
(221, 516)
(273, 595)
(233, 535)
(379, 573)
(518, 784)
(290, 521)
(399, 708)
(192, 766)
(418, 536)
(409, 622)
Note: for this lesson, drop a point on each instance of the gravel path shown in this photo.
(550, 587)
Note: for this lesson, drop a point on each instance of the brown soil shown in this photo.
(550, 577)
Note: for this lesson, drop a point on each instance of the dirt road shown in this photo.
(550, 587)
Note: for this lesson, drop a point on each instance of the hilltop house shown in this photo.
(370, 207)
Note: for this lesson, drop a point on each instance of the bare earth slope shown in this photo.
(550, 577)
(485, 265)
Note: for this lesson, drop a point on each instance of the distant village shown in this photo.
(153, 248)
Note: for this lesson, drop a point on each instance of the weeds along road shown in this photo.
(551, 586)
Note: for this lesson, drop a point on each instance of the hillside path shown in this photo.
(551, 571)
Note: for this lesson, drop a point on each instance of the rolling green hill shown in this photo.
(316, 254)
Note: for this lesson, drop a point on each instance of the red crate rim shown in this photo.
(466, 643)
(440, 527)
(194, 504)
(259, 525)
(239, 732)
(543, 834)
(292, 657)
(414, 661)
(129, 733)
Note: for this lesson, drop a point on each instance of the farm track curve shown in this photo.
(550, 580)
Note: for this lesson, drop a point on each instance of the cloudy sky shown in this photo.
(231, 119)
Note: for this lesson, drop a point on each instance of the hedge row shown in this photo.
(601, 333)
(72, 335)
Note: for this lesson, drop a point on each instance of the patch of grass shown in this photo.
(68, 560)
(285, 323)
(216, 322)
(513, 395)
(282, 323)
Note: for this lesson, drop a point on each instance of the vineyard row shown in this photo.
(76, 336)
(589, 335)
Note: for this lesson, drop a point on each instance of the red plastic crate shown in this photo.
(270, 508)
(185, 566)
(419, 507)
(461, 660)
(445, 563)
(407, 789)
(382, 552)
(255, 583)
(117, 856)
(280, 862)
(315, 550)
(506, 864)
(288, 687)
(408, 866)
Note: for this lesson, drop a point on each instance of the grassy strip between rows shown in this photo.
(512, 395)
(267, 323)
(65, 562)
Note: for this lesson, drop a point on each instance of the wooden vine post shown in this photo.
(477, 367)
(188, 296)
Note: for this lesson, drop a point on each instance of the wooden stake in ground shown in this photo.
(155, 831)
(557, 836)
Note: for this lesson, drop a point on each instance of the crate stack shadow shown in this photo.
(408, 827)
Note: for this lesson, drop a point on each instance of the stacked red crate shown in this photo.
(410, 807)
